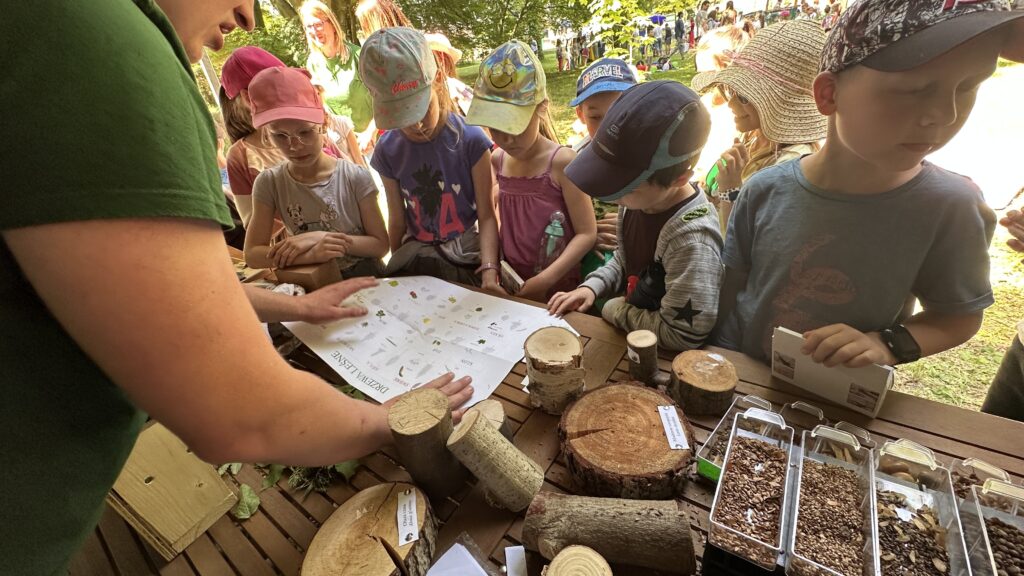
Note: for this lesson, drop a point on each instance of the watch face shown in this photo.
(904, 347)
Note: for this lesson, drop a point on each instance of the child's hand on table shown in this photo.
(579, 300)
(841, 344)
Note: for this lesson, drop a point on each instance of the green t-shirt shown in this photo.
(344, 91)
(101, 119)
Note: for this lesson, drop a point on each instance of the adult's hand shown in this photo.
(1014, 222)
(458, 392)
(326, 305)
(731, 165)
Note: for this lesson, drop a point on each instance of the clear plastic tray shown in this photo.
(706, 464)
(994, 499)
(763, 426)
(909, 469)
(980, 469)
(839, 448)
(802, 416)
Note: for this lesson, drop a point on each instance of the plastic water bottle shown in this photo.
(552, 244)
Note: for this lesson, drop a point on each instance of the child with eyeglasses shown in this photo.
(329, 205)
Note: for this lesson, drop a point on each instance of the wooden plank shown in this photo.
(238, 549)
(92, 559)
(177, 567)
(293, 521)
(486, 525)
(207, 559)
(125, 551)
(271, 542)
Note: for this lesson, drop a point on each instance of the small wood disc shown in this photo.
(706, 370)
(418, 411)
(641, 339)
(578, 561)
(553, 345)
(615, 444)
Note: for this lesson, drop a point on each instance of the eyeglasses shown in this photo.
(305, 136)
(315, 26)
(729, 94)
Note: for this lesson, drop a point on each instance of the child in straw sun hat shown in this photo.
(768, 87)
(834, 244)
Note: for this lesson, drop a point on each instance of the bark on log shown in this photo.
(361, 537)
(494, 412)
(553, 365)
(510, 477)
(703, 382)
(654, 535)
(577, 561)
(421, 422)
(642, 349)
(615, 445)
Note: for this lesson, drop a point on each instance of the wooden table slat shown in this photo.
(125, 552)
(92, 558)
(207, 559)
(238, 549)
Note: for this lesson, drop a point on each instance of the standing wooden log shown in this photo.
(510, 477)
(494, 412)
(703, 382)
(577, 561)
(642, 349)
(421, 422)
(361, 537)
(615, 445)
(553, 358)
(654, 535)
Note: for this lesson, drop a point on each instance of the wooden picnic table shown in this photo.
(274, 540)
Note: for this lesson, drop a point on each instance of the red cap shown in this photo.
(284, 93)
(243, 65)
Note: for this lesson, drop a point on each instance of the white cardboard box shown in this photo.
(859, 389)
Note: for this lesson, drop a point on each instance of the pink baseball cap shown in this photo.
(284, 93)
(243, 65)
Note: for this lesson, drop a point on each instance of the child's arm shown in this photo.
(257, 235)
(396, 213)
(353, 149)
(584, 224)
(483, 183)
(374, 244)
(308, 248)
(606, 280)
(689, 309)
(735, 280)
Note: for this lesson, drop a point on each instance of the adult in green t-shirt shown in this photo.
(334, 64)
(116, 293)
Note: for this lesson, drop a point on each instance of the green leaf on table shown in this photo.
(248, 502)
(352, 392)
(274, 473)
(233, 467)
(347, 469)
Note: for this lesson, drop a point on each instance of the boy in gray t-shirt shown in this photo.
(835, 244)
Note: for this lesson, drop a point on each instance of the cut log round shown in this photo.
(553, 358)
(648, 534)
(578, 561)
(361, 537)
(421, 422)
(510, 477)
(494, 412)
(703, 382)
(642, 349)
(615, 445)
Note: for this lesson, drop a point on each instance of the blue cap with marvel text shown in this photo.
(605, 75)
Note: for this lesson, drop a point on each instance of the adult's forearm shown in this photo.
(939, 332)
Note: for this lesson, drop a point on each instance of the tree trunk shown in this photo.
(642, 349)
(553, 365)
(510, 477)
(703, 382)
(654, 535)
(257, 14)
(577, 561)
(615, 444)
(494, 412)
(286, 9)
(421, 422)
(345, 10)
(360, 537)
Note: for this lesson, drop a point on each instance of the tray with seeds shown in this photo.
(919, 530)
(993, 520)
(833, 530)
(863, 436)
(752, 497)
(973, 472)
(712, 454)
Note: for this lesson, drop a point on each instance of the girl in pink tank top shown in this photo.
(547, 224)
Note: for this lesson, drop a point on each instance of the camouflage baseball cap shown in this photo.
(897, 35)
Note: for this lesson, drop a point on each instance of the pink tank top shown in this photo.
(525, 205)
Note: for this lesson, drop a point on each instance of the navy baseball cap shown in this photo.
(652, 126)
(605, 75)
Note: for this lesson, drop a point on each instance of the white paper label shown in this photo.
(526, 383)
(515, 561)
(673, 428)
(408, 523)
(633, 356)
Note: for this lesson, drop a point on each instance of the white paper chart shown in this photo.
(417, 328)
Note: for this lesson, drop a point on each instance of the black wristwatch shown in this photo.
(901, 343)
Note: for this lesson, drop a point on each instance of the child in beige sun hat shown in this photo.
(768, 87)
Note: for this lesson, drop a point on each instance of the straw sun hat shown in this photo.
(775, 71)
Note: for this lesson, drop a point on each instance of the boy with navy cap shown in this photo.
(668, 264)
(834, 244)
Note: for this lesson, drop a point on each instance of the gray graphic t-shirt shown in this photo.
(816, 257)
(330, 206)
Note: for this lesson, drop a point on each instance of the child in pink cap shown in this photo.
(329, 205)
